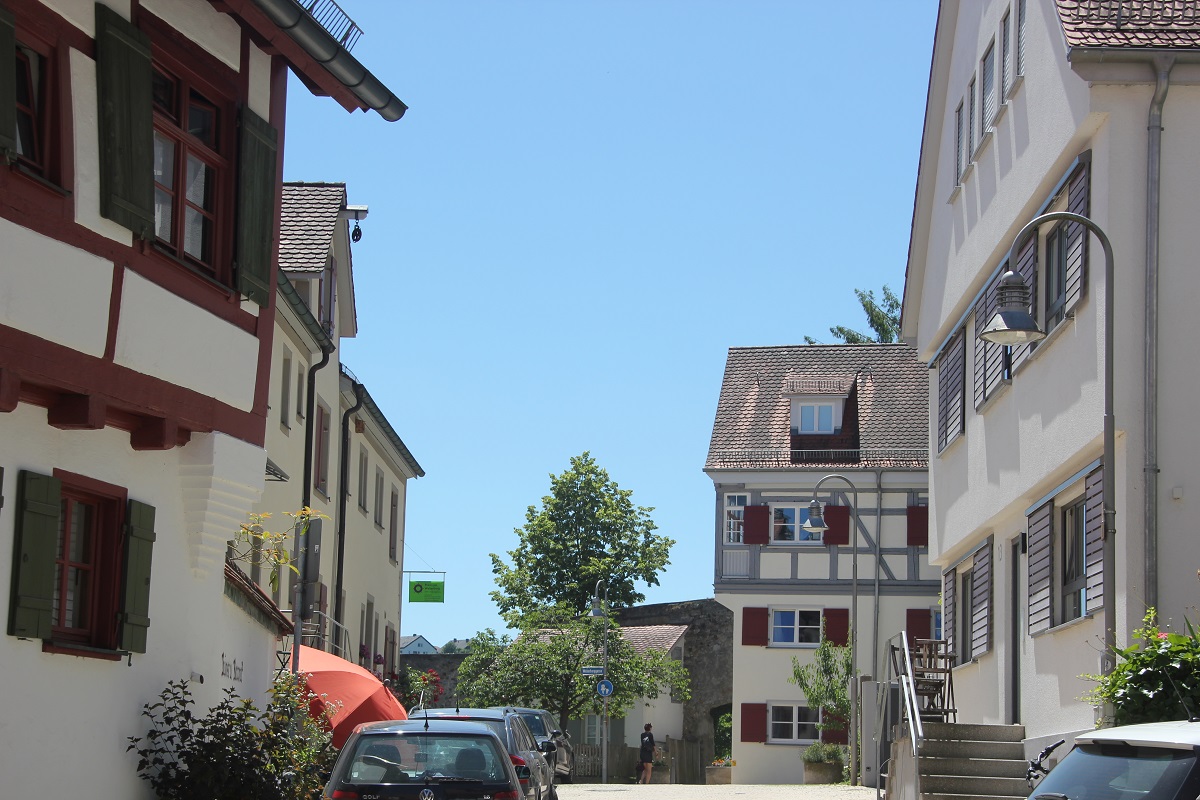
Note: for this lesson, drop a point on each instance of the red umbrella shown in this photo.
(362, 696)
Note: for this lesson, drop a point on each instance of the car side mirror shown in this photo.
(523, 772)
(560, 733)
(547, 746)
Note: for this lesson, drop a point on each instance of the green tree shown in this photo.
(883, 318)
(587, 529)
(543, 666)
(825, 682)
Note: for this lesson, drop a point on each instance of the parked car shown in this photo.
(424, 760)
(544, 727)
(1157, 760)
(529, 757)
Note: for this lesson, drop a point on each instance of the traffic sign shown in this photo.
(604, 688)
(592, 670)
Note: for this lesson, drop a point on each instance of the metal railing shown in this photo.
(914, 457)
(336, 22)
(901, 672)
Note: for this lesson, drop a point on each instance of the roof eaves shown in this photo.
(297, 304)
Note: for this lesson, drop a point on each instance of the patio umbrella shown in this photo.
(362, 696)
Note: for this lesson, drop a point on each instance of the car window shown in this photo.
(415, 756)
(1118, 772)
(524, 740)
(536, 726)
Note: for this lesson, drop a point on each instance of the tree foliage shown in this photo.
(825, 682)
(883, 317)
(586, 529)
(543, 667)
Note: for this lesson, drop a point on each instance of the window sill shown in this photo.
(204, 276)
(966, 173)
(999, 391)
(287, 429)
(82, 651)
(46, 183)
(1062, 626)
(1012, 90)
(1051, 335)
(946, 448)
(984, 141)
(954, 193)
(1000, 109)
(793, 645)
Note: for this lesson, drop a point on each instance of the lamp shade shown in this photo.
(816, 519)
(1012, 324)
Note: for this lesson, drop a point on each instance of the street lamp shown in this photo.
(816, 522)
(600, 609)
(1018, 328)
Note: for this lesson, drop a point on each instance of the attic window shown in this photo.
(812, 416)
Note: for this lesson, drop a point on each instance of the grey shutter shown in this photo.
(8, 83)
(949, 588)
(1040, 550)
(980, 374)
(135, 583)
(981, 601)
(1027, 268)
(31, 601)
(124, 80)
(989, 357)
(257, 191)
(951, 390)
(1077, 240)
(1094, 539)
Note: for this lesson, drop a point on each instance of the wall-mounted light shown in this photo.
(356, 213)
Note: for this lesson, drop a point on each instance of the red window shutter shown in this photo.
(754, 722)
(917, 623)
(837, 625)
(918, 526)
(754, 626)
(831, 736)
(838, 520)
(757, 525)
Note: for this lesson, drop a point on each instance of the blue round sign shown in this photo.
(604, 688)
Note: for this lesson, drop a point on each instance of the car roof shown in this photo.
(1180, 734)
(483, 713)
(521, 710)
(421, 725)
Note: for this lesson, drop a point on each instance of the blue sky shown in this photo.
(587, 204)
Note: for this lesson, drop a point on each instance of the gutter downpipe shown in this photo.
(1162, 68)
(343, 493)
(298, 552)
(875, 665)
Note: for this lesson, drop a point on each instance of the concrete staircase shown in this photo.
(961, 761)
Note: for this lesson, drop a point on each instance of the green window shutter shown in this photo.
(39, 504)
(135, 585)
(124, 79)
(8, 83)
(257, 189)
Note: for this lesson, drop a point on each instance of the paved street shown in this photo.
(663, 791)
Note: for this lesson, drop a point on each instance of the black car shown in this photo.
(544, 727)
(527, 755)
(424, 760)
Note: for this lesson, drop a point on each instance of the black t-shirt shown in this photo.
(647, 750)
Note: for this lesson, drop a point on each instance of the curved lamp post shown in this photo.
(600, 609)
(816, 522)
(1013, 324)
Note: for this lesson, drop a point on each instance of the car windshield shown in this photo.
(1117, 772)
(402, 758)
(534, 721)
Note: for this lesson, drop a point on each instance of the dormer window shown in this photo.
(816, 416)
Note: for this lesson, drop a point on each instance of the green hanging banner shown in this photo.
(426, 591)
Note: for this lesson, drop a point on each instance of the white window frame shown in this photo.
(988, 100)
(379, 484)
(285, 391)
(734, 526)
(591, 729)
(1066, 512)
(797, 709)
(795, 627)
(802, 538)
(972, 139)
(959, 163)
(363, 471)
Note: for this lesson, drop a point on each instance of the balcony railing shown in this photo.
(336, 22)
(767, 458)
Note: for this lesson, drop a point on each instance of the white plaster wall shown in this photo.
(54, 291)
(85, 119)
(665, 716)
(260, 82)
(190, 622)
(184, 358)
(217, 33)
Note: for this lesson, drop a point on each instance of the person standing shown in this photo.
(646, 753)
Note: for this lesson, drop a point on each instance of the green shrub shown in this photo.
(824, 751)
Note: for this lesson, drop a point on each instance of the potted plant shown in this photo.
(823, 762)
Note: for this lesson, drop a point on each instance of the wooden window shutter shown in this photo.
(8, 83)
(135, 589)
(981, 601)
(754, 627)
(39, 500)
(1077, 239)
(1039, 549)
(918, 526)
(951, 389)
(257, 191)
(754, 722)
(837, 625)
(838, 520)
(124, 78)
(918, 624)
(756, 527)
(990, 358)
(830, 735)
(1094, 539)
(949, 590)
(1027, 268)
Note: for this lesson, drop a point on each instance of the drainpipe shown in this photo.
(298, 552)
(878, 558)
(343, 493)
(1162, 68)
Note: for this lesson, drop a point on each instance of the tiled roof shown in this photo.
(308, 220)
(752, 428)
(653, 637)
(1151, 24)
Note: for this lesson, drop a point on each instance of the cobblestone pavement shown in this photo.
(666, 791)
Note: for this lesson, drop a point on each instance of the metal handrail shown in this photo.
(336, 22)
(911, 714)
